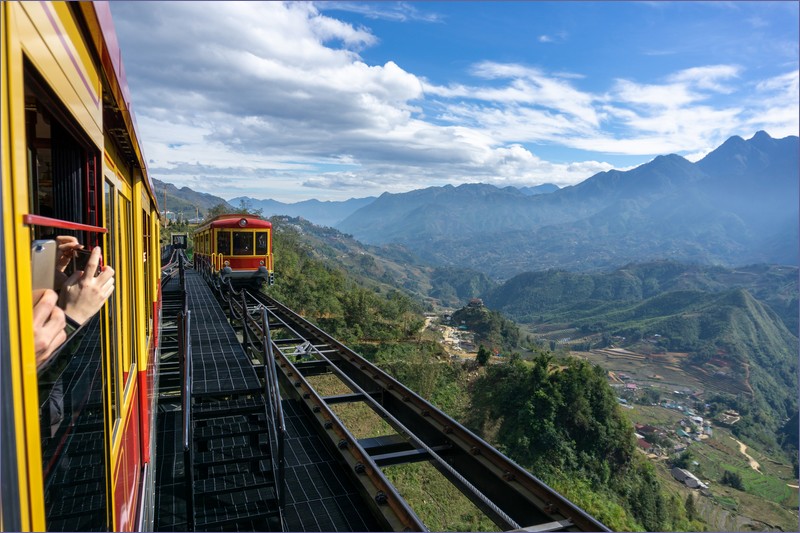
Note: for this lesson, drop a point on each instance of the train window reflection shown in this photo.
(242, 243)
(261, 243)
(72, 437)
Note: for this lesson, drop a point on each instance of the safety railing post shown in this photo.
(185, 346)
(245, 327)
(181, 272)
(275, 410)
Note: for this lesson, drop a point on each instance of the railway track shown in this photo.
(509, 495)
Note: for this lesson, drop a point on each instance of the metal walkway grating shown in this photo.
(319, 495)
(170, 488)
(233, 477)
(219, 364)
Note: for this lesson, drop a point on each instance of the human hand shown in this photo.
(67, 245)
(83, 294)
(48, 324)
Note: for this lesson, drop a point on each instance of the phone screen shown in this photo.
(81, 257)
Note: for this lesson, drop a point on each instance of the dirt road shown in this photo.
(743, 450)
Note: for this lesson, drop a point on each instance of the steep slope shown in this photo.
(185, 200)
(736, 343)
(384, 269)
(574, 295)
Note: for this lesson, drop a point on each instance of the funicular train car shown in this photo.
(76, 417)
(235, 247)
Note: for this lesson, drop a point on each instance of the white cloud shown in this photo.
(396, 11)
(708, 77)
(275, 100)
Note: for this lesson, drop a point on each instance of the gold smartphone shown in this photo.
(43, 263)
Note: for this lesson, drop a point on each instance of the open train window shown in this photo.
(62, 163)
(63, 185)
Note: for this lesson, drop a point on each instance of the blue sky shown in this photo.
(349, 99)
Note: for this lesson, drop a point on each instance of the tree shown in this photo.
(683, 460)
(732, 479)
(691, 510)
(483, 355)
(244, 208)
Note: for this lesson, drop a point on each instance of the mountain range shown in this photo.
(321, 213)
(738, 205)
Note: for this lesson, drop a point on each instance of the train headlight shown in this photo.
(242, 222)
(261, 263)
(227, 263)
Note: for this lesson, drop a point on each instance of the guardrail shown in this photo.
(185, 348)
(252, 330)
(275, 410)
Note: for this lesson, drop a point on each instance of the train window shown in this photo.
(112, 334)
(224, 242)
(72, 438)
(63, 184)
(61, 163)
(148, 298)
(126, 281)
(242, 243)
(261, 243)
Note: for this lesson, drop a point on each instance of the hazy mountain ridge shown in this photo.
(322, 213)
(185, 200)
(384, 267)
(738, 205)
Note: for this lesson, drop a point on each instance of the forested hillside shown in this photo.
(384, 267)
(557, 417)
(185, 202)
(561, 420)
(531, 296)
(711, 313)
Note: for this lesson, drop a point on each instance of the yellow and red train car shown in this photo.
(235, 247)
(76, 444)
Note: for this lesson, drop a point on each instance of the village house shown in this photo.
(644, 446)
(688, 479)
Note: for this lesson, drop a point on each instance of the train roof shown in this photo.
(103, 37)
(233, 220)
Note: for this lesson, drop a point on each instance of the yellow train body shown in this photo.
(72, 164)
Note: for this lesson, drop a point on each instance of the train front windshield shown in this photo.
(261, 243)
(242, 243)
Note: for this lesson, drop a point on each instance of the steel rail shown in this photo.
(382, 497)
(505, 491)
(506, 521)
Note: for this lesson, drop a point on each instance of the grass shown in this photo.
(437, 502)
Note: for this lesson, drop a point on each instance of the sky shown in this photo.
(339, 100)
